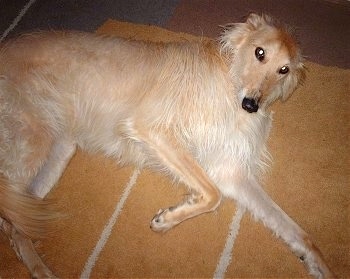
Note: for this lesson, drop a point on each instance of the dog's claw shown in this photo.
(158, 223)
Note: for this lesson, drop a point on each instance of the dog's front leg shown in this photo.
(205, 196)
(250, 194)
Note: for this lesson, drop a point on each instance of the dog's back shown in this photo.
(86, 84)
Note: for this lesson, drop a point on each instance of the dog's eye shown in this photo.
(284, 70)
(259, 54)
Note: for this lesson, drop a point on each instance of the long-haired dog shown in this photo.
(198, 110)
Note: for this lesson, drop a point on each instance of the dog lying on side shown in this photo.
(198, 110)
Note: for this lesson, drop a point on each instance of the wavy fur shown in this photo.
(180, 108)
(30, 215)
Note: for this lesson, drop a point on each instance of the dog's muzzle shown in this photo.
(250, 105)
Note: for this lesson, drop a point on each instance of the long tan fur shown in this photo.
(32, 215)
(197, 111)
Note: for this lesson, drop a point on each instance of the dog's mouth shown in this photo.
(250, 105)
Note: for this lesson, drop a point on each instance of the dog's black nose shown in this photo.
(250, 105)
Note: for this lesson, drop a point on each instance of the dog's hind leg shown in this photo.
(48, 174)
(250, 194)
(28, 215)
(205, 196)
(60, 154)
(58, 158)
(25, 250)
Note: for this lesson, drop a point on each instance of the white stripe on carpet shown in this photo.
(17, 19)
(89, 265)
(226, 255)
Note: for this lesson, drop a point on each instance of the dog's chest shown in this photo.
(239, 145)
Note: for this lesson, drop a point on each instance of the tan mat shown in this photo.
(106, 232)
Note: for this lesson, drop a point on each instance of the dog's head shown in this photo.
(266, 62)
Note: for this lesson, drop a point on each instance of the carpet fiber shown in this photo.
(106, 232)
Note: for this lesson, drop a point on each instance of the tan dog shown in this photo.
(198, 110)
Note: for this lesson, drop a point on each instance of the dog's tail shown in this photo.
(32, 216)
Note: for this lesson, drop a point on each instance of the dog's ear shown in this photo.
(292, 81)
(235, 34)
(255, 21)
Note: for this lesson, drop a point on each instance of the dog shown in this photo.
(197, 110)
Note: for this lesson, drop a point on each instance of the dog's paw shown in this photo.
(316, 265)
(161, 222)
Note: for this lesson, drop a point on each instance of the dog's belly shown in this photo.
(104, 136)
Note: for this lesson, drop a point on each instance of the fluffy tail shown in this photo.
(29, 215)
